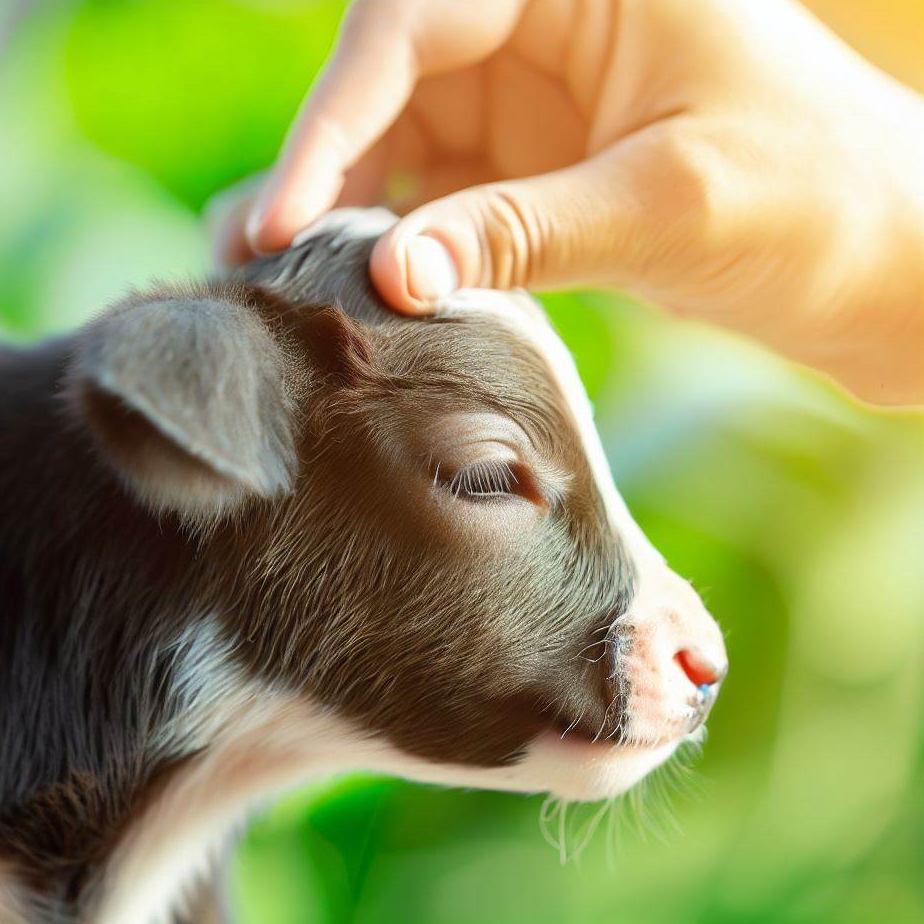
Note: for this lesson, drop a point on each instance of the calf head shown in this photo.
(410, 525)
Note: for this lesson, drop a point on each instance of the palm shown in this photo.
(526, 109)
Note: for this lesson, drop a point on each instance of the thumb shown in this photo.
(565, 228)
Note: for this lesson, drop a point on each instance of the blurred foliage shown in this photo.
(202, 99)
(798, 515)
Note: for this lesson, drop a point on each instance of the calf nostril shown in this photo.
(700, 670)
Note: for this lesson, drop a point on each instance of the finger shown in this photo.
(225, 215)
(364, 184)
(410, 192)
(361, 92)
(604, 220)
(385, 46)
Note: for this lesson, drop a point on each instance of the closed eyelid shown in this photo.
(542, 486)
(459, 441)
(489, 478)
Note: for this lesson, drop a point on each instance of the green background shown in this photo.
(797, 514)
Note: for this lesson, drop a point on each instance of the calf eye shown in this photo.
(487, 480)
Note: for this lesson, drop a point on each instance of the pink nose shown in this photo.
(700, 670)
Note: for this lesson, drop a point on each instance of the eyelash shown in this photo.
(482, 481)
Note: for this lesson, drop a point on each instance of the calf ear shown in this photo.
(187, 397)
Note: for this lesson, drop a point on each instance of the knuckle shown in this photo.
(686, 201)
(512, 238)
(700, 175)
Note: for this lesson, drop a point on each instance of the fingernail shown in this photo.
(431, 273)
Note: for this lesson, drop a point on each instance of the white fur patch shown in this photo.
(172, 842)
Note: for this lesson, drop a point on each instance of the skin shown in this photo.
(728, 160)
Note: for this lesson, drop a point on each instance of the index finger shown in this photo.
(384, 48)
(360, 93)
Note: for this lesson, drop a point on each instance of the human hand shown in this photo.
(728, 160)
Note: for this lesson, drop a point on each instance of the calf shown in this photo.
(261, 531)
